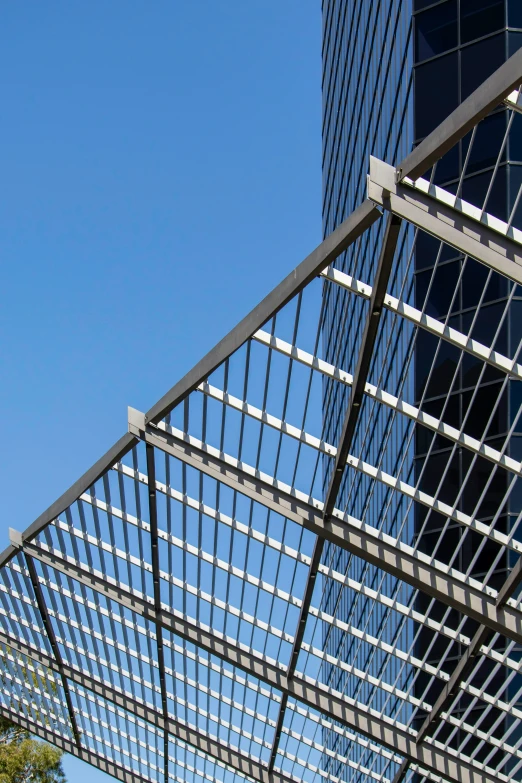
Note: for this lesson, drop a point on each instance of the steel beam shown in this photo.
(471, 237)
(169, 726)
(467, 663)
(110, 458)
(390, 401)
(447, 333)
(382, 276)
(54, 646)
(400, 560)
(316, 696)
(102, 763)
(153, 521)
(477, 106)
(384, 266)
(338, 241)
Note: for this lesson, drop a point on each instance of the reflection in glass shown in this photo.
(436, 30)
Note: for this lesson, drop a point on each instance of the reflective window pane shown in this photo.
(436, 92)
(515, 139)
(486, 143)
(485, 192)
(474, 279)
(442, 284)
(514, 13)
(514, 43)
(479, 61)
(436, 30)
(479, 18)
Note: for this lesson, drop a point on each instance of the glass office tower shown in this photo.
(392, 71)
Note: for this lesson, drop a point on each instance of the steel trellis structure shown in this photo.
(168, 606)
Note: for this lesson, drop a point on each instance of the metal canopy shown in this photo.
(166, 619)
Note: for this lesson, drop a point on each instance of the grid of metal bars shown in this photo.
(165, 619)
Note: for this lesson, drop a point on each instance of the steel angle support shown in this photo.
(453, 226)
(102, 763)
(16, 541)
(153, 520)
(514, 101)
(477, 106)
(324, 254)
(400, 560)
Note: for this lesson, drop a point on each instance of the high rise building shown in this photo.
(392, 72)
(304, 562)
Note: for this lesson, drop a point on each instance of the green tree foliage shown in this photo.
(26, 760)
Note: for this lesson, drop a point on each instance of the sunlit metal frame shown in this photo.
(401, 193)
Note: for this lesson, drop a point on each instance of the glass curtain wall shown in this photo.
(367, 109)
(458, 44)
(392, 71)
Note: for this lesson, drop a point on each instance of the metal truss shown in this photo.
(186, 598)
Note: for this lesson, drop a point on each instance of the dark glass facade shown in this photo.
(460, 43)
(367, 109)
(392, 71)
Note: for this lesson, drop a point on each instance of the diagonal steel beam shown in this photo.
(224, 753)
(110, 458)
(384, 266)
(153, 521)
(102, 763)
(477, 106)
(467, 663)
(338, 241)
(54, 646)
(400, 560)
(371, 724)
(454, 226)
(382, 276)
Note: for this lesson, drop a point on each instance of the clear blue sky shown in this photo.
(161, 171)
